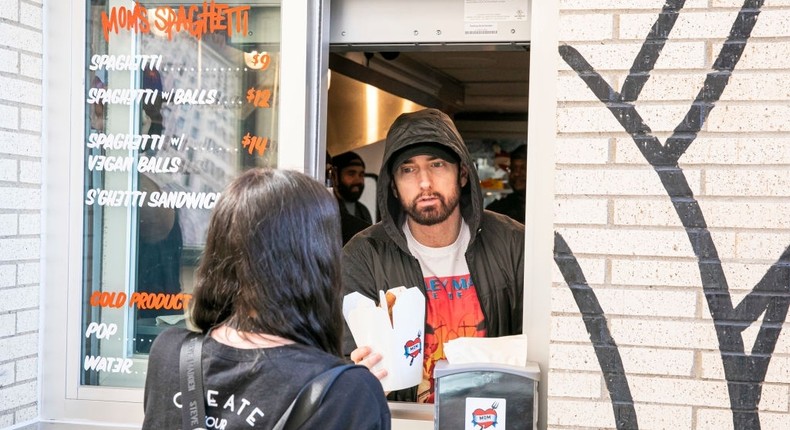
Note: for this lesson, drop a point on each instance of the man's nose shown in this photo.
(425, 179)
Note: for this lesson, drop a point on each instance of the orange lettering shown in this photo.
(122, 18)
(106, 299)
(213, 17)
(155, 301)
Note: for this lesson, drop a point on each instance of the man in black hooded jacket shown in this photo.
(435, 234)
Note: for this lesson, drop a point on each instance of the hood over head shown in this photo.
(434, 127)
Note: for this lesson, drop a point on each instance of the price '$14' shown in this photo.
(255, 143)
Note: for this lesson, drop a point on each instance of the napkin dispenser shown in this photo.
(476, 396)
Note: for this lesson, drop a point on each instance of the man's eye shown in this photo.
(405, 170)
(437, 164)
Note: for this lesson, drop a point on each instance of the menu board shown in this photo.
(179, 100)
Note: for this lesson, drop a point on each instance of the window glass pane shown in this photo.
(180, 98)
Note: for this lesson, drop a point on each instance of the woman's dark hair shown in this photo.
(272, 260)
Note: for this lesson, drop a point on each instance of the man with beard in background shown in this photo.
(348, 184)
(514, 204)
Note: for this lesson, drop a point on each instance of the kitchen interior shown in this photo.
(484, 88)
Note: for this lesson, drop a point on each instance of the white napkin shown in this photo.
(510, 350)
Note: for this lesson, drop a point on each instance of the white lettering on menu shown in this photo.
(125, 62)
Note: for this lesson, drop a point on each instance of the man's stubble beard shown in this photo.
(349, 195)
(432, 215)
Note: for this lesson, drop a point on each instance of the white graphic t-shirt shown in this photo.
(453, 309)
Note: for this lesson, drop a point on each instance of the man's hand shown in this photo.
(366, 357)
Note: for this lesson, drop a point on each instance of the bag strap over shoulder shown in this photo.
(309, 398)
(190, 369)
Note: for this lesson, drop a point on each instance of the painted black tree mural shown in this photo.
(744, 371)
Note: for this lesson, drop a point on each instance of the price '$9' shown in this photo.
(257, 60)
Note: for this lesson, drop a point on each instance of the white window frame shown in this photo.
(539, 244)
(61, 398)
(541, 135)
(301, 115)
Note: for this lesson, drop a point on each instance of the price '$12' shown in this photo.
(259, 98)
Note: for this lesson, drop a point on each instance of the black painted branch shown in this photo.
(715, 81)
(603, 343)
(625, 112)
(771, 296)
(646, 59)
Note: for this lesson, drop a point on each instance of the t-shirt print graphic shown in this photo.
(453, 311)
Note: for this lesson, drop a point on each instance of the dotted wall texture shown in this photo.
(21, 58)
(670, 302)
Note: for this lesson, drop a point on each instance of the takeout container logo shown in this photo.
(399, 340)
(413, 348)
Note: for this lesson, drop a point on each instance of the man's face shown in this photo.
(429, 188)
(351, 183)
(518, 175)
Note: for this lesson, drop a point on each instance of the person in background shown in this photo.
(435, 234)
(514, 204)
(271, 316)
(161, 242)
(349, 183)
(159, 248)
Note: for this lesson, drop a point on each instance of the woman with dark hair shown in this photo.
(268, 299)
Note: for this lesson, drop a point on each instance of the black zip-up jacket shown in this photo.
(378, 258)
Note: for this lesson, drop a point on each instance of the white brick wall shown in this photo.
(564, 414)
(690, 25)
(575, 384)
(622, 181)
(581, 211)
(586, 27)
(594, 270)
(20, 207)
(748, 151)
(615, 215)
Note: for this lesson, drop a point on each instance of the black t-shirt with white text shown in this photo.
(252, 388)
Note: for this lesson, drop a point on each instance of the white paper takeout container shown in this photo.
(400, 343)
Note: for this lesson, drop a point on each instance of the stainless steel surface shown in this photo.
(484, 88)
(429, 21)
(412, 411)
(74, 426)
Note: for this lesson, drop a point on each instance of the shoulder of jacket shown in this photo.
(492, 222)
(373, 237)
(360, 379)
(174, 333)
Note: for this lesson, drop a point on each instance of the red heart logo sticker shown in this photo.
(413, 347)
(484, 418)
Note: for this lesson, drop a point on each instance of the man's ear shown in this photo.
(463, 178)
(330, 175)
(394, 189)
